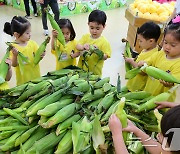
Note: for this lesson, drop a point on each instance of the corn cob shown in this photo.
(47, 142)
(18, 127)
(21, 139)
(101, 82)
(65, 145)
(132, 73)
(72, 79)
(159, 117)
(61, 72)
(31, 119)
(42, 120)
(135, 95)
(48, 100)
(35, 137)
(51, 109)
(105, 102)
(135, 119)
(107, 87)
(17, 110)
(4, 67)
(82, 87)
(94, 104)
(6, 134)
(121, 114)
(55, 26)
(11, 141)
(127, 53)
(40, 51)
(67, 123)
(15, 115)
(37, 88)
(109, 112)
(160, 74)
(134, 106)
(152, 128)
(151, 103)
(61, 115)
(98, 93)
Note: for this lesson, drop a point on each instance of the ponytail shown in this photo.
(7, 28)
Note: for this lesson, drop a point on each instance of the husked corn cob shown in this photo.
(66, 144)
(160, 74)
(40, 51)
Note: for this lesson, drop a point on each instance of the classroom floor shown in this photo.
(116, 29)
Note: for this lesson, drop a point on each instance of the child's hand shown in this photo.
(43, 54)
(130, 128)
(162, 105)
(54, 33)
(115, 124)
(9, 62)
(129, 60)
(15, 51)
(141, 63)
(41, 1)
(166, 84)
(86, 46)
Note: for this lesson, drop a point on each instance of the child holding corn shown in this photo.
(167, 60)
(96, 23)
(5, 85)
(148, 35)
(64, 54)
(169, 121)
(20, 28)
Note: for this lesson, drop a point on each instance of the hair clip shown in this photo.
(176, 20)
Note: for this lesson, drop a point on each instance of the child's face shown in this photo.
(171, 46)
(95, 29)
(26, 35)
(144, 43)
(66, 32)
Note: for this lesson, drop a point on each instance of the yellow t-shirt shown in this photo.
(94, 64)
(160, 61)
(4, 86)
(30, 70)
(139, 81)
(65, 58)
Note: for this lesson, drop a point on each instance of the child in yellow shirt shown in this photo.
(167, 60)
(96, 23)
(65, 57)
(20, 28)
(148, 35)
(5, 85)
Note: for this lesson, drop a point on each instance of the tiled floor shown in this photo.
(116, 29)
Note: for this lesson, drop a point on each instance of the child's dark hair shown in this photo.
(171, 119)
(18, 24)
(150, 30)
(174, 29)
(97, 16)
(66, 23)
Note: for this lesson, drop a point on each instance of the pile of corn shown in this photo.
(67, 111)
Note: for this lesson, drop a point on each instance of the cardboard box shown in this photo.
(134, 23)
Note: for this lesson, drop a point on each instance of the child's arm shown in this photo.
(54, 36)
(162, 105)
(116, 129)
(9, 74)
(151, 146)
(14, 57)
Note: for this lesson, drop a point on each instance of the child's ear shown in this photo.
(152, 40)
(16, 35)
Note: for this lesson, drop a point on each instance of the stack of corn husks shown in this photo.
(67, 111)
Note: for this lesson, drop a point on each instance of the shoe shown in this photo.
(46, 32)
(36, 15)
(28, 17)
